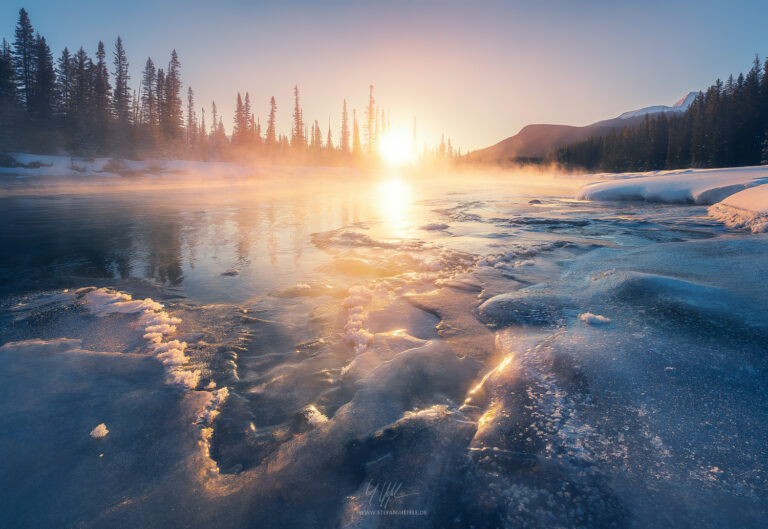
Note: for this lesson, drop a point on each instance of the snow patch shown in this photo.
(158, 324)
(314, 416)
(594, 319)
(100, 431)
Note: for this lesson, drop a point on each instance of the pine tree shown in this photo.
(203, 128)
(122, 95)
(149, 96)
(162, 109)
(317, 137)
(249, 124)
(299, 137)
(370, 124)
(172, 99)
(43, 94)
(257, 131)
(329, 139)
(356, 147)
(8, 99)
(202, 136)
(23, 57)
(382, 125)
(344, 128)
(7, 80)
(82, 133)
(271, 138)
(191, 119)
(214, 117)
(239, 122)
(65, 84)
(101, 99)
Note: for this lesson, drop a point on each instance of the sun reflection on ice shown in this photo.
(393, 200)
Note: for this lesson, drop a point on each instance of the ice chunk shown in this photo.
(314, 416)
(522, 307)
(594, 319)
(434, 226)
(100, 431)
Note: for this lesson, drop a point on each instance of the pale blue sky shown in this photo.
(478, 70)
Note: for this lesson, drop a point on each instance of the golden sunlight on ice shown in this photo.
(393, 201)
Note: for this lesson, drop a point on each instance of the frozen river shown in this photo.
(379, 353)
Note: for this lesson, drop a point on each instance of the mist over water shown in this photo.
(378, 351)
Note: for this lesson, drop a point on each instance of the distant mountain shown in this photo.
(535, 141)
(680, 106)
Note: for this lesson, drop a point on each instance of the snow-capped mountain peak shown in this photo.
(681, 105)
(686, 101)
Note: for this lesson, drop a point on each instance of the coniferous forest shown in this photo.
(89, 106)
(725, 126)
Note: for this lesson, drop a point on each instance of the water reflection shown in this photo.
(393, 201)
(186, 237)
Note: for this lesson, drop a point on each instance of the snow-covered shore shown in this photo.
(738, 196)
(45, 166)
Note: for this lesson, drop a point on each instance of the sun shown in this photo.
(396, 147)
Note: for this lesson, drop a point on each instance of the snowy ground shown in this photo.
(385, 355)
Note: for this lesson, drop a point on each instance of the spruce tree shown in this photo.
(172, 99)
(65, 84)
(238, 128)
(149, 96)
(44, 82)
(7, 80)
(101, 97)
(162, 110)
(8, 99)
(23, 57)
(121, 97)
(271, 138)
(317, 137)
(356, 147)
(370, 123)
(344, 129)
(299, 137)
(82, 133)
(214, 117)
(248, 123)
(191, 119)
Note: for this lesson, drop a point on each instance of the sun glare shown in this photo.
(397, 148)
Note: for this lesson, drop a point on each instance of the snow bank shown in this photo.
(746, 209)
(698, 186)
(39, 165)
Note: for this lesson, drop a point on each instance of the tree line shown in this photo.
(725, 126)
(85, 106)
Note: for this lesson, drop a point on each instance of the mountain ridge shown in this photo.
(536, 140)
